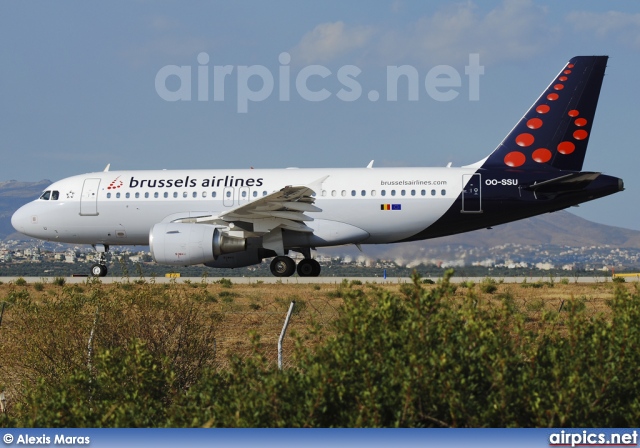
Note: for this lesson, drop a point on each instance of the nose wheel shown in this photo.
(99, 269)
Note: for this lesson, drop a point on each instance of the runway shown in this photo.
(310, 280)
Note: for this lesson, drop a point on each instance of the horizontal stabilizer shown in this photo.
(569, 182)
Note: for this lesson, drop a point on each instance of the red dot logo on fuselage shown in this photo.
(115, 184)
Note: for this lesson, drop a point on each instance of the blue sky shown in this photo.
(78, 84)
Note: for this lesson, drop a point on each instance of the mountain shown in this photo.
(557, 229)
(553, 229)
(14, 194)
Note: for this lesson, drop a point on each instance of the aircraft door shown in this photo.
(471, 193)
(227, 197)
(89, 197)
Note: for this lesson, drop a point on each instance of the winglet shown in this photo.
(370, 164)
(106, 168)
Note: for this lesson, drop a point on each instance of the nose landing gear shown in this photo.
(99, 269)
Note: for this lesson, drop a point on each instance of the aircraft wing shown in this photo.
(287, 208)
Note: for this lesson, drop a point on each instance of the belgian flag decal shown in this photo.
(390, 207)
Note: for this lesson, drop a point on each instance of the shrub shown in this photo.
(59, 281)
(21, 282)
(488, 286)
(225, 283)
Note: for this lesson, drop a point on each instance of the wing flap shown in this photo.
(286, 208)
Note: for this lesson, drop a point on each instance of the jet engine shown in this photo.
(183, 244)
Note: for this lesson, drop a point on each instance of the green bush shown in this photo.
(21, 282)
(421, 357)
(59, 281)
(488, 286)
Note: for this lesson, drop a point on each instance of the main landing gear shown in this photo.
(282, 266)
(99, 269)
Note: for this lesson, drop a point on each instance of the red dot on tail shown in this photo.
(558, 87)
(580, 122)
(553, 96)
(542, 109)
(570, 66)
(534, 123)
(573, 113)
(567, 72)
(524, 139)
(514, 159)
(541, 155)
(580, 134)
(562, 78)
(566, 147)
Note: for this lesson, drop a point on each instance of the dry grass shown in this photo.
(261, 308)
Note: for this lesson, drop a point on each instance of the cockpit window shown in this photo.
(46, 195)
(54, 195)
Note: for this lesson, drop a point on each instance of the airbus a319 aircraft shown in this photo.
(234, 218)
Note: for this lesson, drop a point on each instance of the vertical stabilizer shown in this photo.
(555, 130)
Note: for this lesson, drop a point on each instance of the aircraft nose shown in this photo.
(20, 219)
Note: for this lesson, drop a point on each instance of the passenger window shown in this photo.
(46, 195)
(146, 195)
(184, 194)
(423, 192)
(195, 195)
(443, 192)
(353, 192)
(433, 192)
(213, 194)
(228, 194)
(137, 195)
(155, 195)
(383, 193)
(324, 192)
(118, 195)
(393, 192)
(413, 192)
(373, 192)
(363, 193)
(255, 194)
(344, 192)
(402, 192)
(264, 193)
(204, 194)
(334, 193)
(108, 195)
(244, 194)
(127, 195)
(54, 195)
(175, 194)
(166, 195)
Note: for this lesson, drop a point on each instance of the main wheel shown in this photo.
(308, 268)
(98, 270)
(282, 266)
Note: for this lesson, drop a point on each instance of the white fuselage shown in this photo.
(377, 205)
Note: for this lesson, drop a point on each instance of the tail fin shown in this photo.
(555, 131)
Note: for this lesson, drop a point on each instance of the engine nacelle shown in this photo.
(183, 244)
